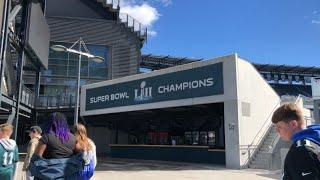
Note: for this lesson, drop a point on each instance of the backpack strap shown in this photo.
(313, 147)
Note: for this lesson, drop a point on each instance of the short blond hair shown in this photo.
(6, 129)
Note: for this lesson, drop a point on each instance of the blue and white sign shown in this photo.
(191, 83)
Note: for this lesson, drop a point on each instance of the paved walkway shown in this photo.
(122, 169)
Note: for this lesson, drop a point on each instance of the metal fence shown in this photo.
(56, 101)
(27, 97)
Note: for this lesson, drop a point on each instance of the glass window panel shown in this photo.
(55, 61)
(72, 70)
(58, 70)
(84, 71)
(98, 72)
(73, 62)
(89, 68)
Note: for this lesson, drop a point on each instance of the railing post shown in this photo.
(58, 103)
(133, 24)
(249, 153)
(127, 20)
(70, 101)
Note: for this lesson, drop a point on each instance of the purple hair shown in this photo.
(58, 126)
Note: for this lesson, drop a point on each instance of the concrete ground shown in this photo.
(124, 169)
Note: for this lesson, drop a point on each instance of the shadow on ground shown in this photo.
(275, 175)
(115, 164)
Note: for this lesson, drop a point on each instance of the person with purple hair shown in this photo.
(56, 154)
(57, 141)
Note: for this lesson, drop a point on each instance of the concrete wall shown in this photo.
(231, 111)
(256, 102)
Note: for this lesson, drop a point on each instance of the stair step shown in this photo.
(263, 154)
(259, 165)
(265, 147)
(269, 141)
(264, 159)
(261, 157)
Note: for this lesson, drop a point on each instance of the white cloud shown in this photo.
(165, 2)
(152, 33)
(143, 12)
(315, 21)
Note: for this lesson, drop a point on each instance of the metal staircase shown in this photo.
(126, 21)
(262, 159)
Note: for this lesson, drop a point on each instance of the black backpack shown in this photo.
(310, 145)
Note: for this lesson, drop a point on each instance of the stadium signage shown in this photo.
(190, 83)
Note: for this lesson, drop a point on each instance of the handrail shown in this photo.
(295, 102)
(115, 3)
(251, 145)
(135, 24)
(267, 120)
(129, 20)
(55, 101)
(27, 96)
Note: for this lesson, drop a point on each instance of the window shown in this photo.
(66, 64)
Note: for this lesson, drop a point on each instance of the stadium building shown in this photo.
(192, 125)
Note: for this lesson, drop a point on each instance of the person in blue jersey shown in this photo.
(8, 152)
(302, 161)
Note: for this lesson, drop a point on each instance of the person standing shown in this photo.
(8, 152)
(35, 135)
(88, 148)
(56, 156)
(302, 161)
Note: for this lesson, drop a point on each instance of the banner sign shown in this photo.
(191, 83)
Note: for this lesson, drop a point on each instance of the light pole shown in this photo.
(62, 48)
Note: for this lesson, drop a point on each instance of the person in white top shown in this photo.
(35, 135)
(88, 149)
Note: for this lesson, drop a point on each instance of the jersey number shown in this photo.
(7, 158)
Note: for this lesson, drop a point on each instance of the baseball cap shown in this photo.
(35, 129)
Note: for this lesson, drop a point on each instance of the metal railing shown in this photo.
(115, 3)
(127, 19)
(49, 102)
(27, 97)
(276, 138)
(257, 141)
(134, 24)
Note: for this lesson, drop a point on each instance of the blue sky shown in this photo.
(269, 31)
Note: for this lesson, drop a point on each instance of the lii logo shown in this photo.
(144, 93)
